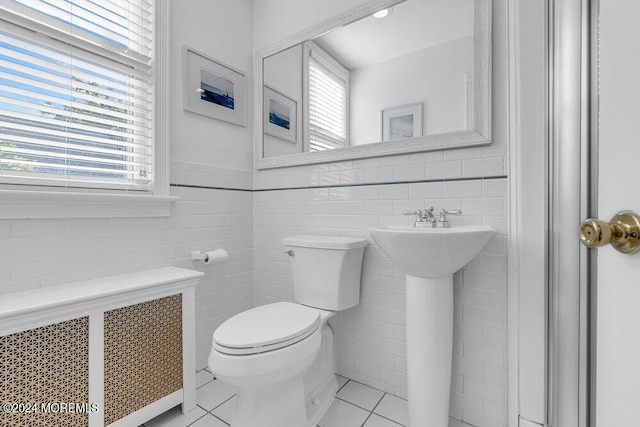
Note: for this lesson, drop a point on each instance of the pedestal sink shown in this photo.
(429, 257)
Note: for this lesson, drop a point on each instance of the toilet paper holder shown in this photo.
(195, 256)
(210, 257)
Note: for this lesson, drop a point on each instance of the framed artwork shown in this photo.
(401, 122)
(212, 88)
(280, 115)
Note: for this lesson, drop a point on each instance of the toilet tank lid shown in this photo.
(325, 242)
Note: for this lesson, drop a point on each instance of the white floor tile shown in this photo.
(394, 408)
(341, 381)
(175, 418)
(343, 414)
(225, 411)
(208, 421)
(377, 421)
(219, 398)
(203, 377)
(214, 393)
(360, 395)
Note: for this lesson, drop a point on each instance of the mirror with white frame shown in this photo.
(356, 86)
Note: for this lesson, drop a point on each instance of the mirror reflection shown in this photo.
(406, 75)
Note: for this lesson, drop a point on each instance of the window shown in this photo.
(328, 109)
(77, 94)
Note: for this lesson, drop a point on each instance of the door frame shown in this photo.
(592, 191)
(571, 199)
(554, 308)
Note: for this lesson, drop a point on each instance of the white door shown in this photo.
(618, 278)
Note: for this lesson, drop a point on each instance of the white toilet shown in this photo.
(280, 355)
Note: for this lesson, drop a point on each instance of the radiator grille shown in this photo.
(48, 367)
(142, 355)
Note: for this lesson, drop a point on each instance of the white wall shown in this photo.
(222, 30)
(531, 200)
(434, 76)
(47, 252)
(347, 197)
(205, 153)
(370, 338)
(275, 20)
(618, 294)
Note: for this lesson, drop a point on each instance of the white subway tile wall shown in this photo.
(39, 253)
(370, 338)
(213, 212)
(461, 163)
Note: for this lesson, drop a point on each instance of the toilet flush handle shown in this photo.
(289, 252)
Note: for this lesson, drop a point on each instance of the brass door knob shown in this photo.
(623, 232)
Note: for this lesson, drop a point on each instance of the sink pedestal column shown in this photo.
(429, 349)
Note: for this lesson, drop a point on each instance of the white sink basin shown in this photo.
(429, 257)
(431, 252)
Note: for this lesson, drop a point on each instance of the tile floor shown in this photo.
(355, 405)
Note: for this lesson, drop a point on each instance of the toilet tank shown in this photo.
(326, 270)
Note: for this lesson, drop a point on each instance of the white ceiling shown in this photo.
(414, 25)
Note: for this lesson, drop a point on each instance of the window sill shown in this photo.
(20, 204)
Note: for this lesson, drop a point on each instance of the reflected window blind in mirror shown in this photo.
(328, 101)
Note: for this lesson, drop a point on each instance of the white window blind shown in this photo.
(76, 93)
(328, 102)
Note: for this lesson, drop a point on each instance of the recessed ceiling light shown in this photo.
(383, 13)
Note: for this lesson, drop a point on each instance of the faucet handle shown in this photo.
(422, 213)
(443, 216)
(424, 217)
(445, 212)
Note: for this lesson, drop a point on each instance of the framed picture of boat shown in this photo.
(280, 115)
(212, 88)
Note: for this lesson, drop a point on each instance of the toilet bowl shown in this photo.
(270, 374)
(280, 355)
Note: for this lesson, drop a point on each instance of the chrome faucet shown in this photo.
(442, 222)
(424, 217)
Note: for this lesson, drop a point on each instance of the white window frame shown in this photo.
(335, 67)
(16, 202)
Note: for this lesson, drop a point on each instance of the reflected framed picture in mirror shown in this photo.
(212, 88)
(402, 122)
(280, 115)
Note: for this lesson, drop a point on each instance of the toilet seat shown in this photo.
(266, 328)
